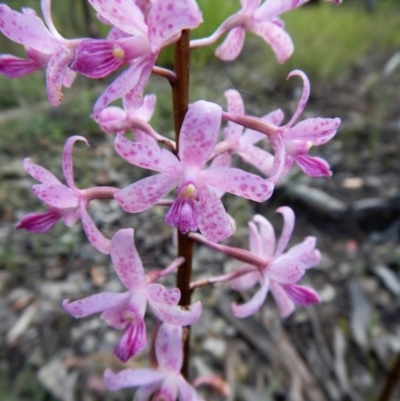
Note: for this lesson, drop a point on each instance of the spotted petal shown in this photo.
(39, 173)
(169, 347)
(145, 193)
(175, 314)
(231, 47)
(255, 303)
(124, 14)
(95, 303)
(238, 182)
(131, 378)
(214, 223)
(148, 156)
(276, 37)
(126, 259)
(26, 29)
(199, 133)
(56, 195)
(167, 19)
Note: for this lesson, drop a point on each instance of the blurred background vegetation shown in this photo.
(328, 39)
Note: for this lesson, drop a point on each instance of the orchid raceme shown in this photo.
(126, 311)
(197, 205)
(66, 202)
(281, 271)
(44, 47)
(139, 45)
(165, 382)
(195, 164)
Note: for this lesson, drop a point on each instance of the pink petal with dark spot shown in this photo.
(238, 182)
(67, 158)
(95, 303)
(314, 130)
(158, 293)
(288, 225)
(169, 347)
(124, 14)
(57, 70)
(40, 173)
(56, 195)
(235, 106)
(148, 156)
(26, 29)
(199, 133)
(168, 18)
(285, 304)
(95, 237)
(126, 260)
(131, 378)
(276, 37)
(175, 314)
(267, 235)
(145, 193)
(255, 303)
(214, 223)
(231, 47)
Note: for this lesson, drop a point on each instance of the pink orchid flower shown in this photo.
(115, 120)
(44, 47)
(165, 382)
(292, 143)
(261, 20)
(138, 46)
(241, 142)
(280, 271)
(197, 205)
(126, 311)
(66, 202)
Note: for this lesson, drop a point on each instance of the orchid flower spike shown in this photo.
(140, 39)
(126, 311)
(44, 47)
(197, 205)
(281, 271)
(165, 382)
(66, 202)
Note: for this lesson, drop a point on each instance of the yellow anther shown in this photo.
(309, 145)
(119, 53)
(129, 316)
(189, 191)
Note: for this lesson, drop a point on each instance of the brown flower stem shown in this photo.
(180, 95)
(165, 73)
(391, 381)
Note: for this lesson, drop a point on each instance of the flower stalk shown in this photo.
(180, 95)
